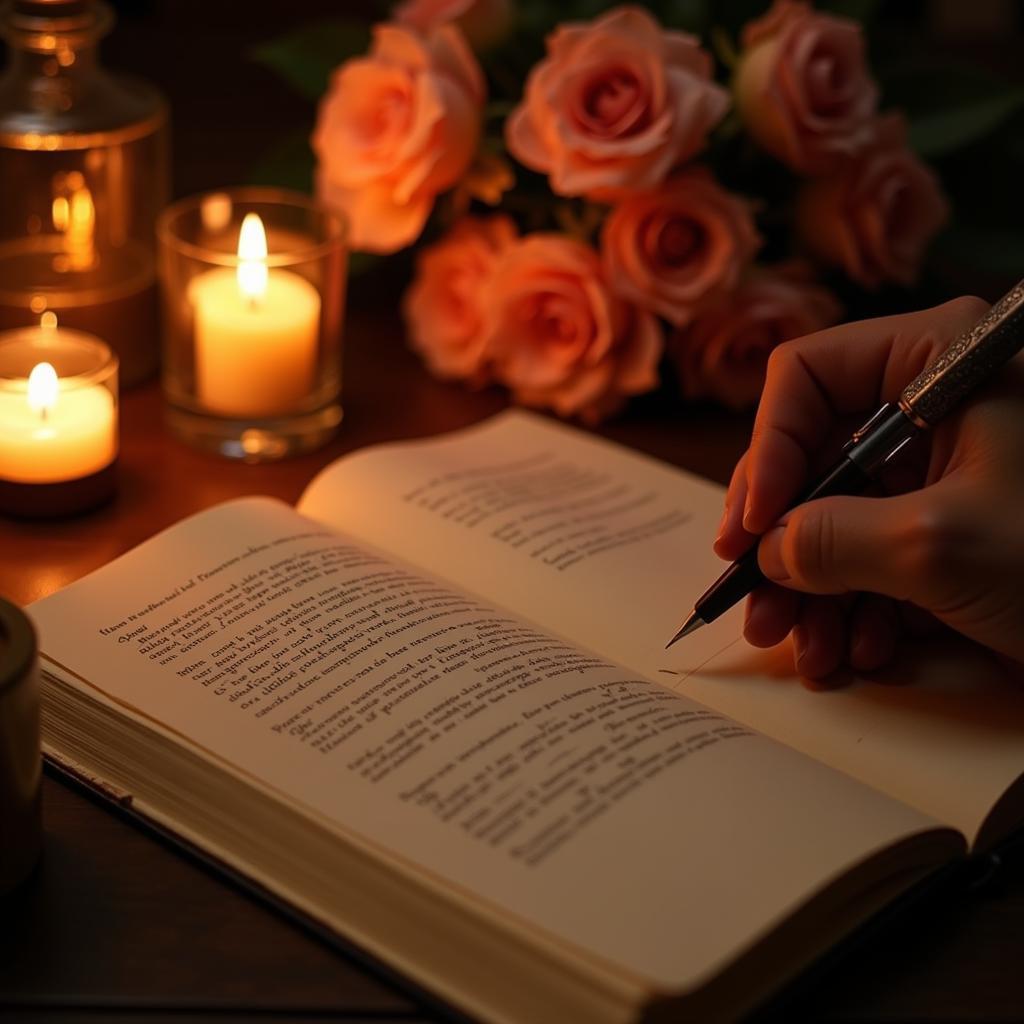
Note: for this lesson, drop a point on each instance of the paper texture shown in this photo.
(611, 548)
(575, 794)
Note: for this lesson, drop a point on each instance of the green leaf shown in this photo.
(287, 164)
(935, 134)
(859, 10)
(988, 249)
(688, 15)
(949, 107)
(360, 263)
(306, 56)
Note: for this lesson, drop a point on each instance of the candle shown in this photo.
(257, 329)
(253, 283)
(58, 420)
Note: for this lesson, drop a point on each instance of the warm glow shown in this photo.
(42, 388)
(48, 321)
(252, 252)
(74, 216)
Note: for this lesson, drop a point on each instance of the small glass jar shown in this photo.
(58, 421)
(84, 173)
(253, 288)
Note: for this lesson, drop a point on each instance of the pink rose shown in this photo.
(396, 128)
(483, 22)
(723, 352)
(675, 246)
(443, 307)
(875, 217)
(802, 86)
(616, 105)
(559, 338)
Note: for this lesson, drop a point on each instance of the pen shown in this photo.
(969, 361)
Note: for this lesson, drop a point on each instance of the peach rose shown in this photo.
(443, 307)
(723, 352)
(484, 22)
(875, 217)
(396, 128)
(559, 338)
(802, 86)
(672, 247)
(616, 105)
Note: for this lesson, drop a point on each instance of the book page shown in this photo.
(568, 791)
(610, 549)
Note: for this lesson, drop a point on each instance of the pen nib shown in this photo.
(691, 625)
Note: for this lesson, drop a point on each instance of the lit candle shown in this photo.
(58, 421)
(54, 429)
(256, 333)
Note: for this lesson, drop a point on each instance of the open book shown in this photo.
(432, 710)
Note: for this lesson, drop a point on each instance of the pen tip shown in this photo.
(691, 625)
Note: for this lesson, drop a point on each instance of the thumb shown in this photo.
(835, 545)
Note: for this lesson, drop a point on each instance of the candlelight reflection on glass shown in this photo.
(253, 284)
(58, 421)
(83, 174)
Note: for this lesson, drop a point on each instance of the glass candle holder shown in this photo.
(253, 288)
(84, 172)
(58, 421)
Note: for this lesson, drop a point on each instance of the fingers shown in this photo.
(732, 540)
(828, 632)
(819, 638)
(837, 545)
(874, 630)
(813, 380)
(771, 613)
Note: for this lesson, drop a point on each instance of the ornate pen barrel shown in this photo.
(977, 354)
(20, 758)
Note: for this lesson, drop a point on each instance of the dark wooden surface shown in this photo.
(117, 925)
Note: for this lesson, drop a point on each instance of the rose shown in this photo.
(616, 105)
(672, 247)
(484, 22)
(875, 217)
(559, 338)
(443, 307)
(802, 87)
(722, 353)
(396, 128)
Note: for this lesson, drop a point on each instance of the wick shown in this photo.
(44, 412)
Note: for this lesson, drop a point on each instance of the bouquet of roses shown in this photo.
(631, 196)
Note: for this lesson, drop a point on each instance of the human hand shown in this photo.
(945, 544)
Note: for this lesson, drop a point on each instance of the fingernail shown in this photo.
(721, 525)
(747, 521)
(769, 555)
(799, 643)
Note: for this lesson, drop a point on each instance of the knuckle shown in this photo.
(936, 539)
(967, 307)
(780, 357)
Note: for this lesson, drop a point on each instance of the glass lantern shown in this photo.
(83, 164)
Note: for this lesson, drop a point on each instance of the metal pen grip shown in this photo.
(977, 353)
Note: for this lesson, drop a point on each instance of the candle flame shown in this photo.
(42, 388)
(252, 254)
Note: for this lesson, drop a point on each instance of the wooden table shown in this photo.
(116, 922)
